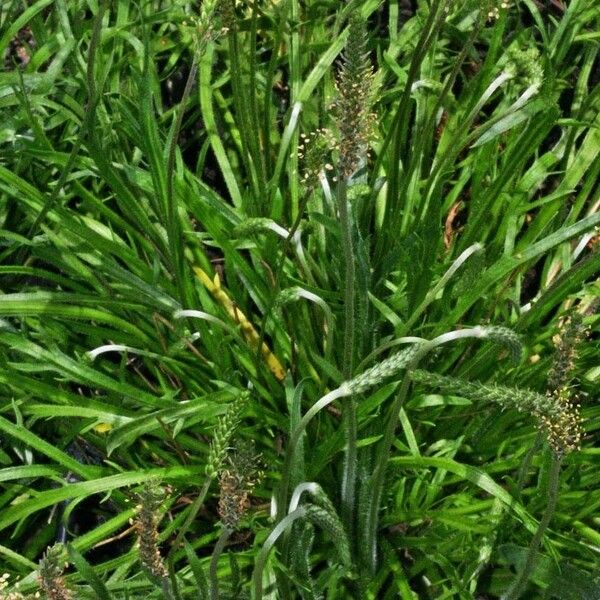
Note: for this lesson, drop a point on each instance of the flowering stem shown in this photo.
(196, 506)
(519, 585)
(377, 479)
(214, 563)
(176, 245)
(526, 464)
(263, 555)
(167, 589)
(348, 248)
(326, 400)
(349, 474)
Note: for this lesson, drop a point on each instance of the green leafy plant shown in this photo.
(326, 271)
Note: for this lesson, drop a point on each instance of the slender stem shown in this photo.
(263, 555)
(326, 400)
(527, 460)
(167, 589)
(214, 563)
(520, 583)
(176, 244)
(370, 533)
(349, 474)
(260, 149)
(196, 506)
(348, 248)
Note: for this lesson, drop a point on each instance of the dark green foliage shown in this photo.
(358, 238)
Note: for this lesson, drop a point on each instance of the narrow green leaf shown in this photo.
(88, 574)
(476, 476)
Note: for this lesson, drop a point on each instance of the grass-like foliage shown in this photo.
(299, 299)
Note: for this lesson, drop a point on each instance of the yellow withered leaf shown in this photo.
(248, 331)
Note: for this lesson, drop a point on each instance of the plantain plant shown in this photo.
(299, 299)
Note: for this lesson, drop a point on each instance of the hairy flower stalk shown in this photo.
(507, 338)
(330, 522)
(563, 431)
(522, 400)
(381, 371)
(354, 121)
(317, 515)
(376, 482)
(50, 576)
(557, 417)
(377, 374)
(359, 384)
